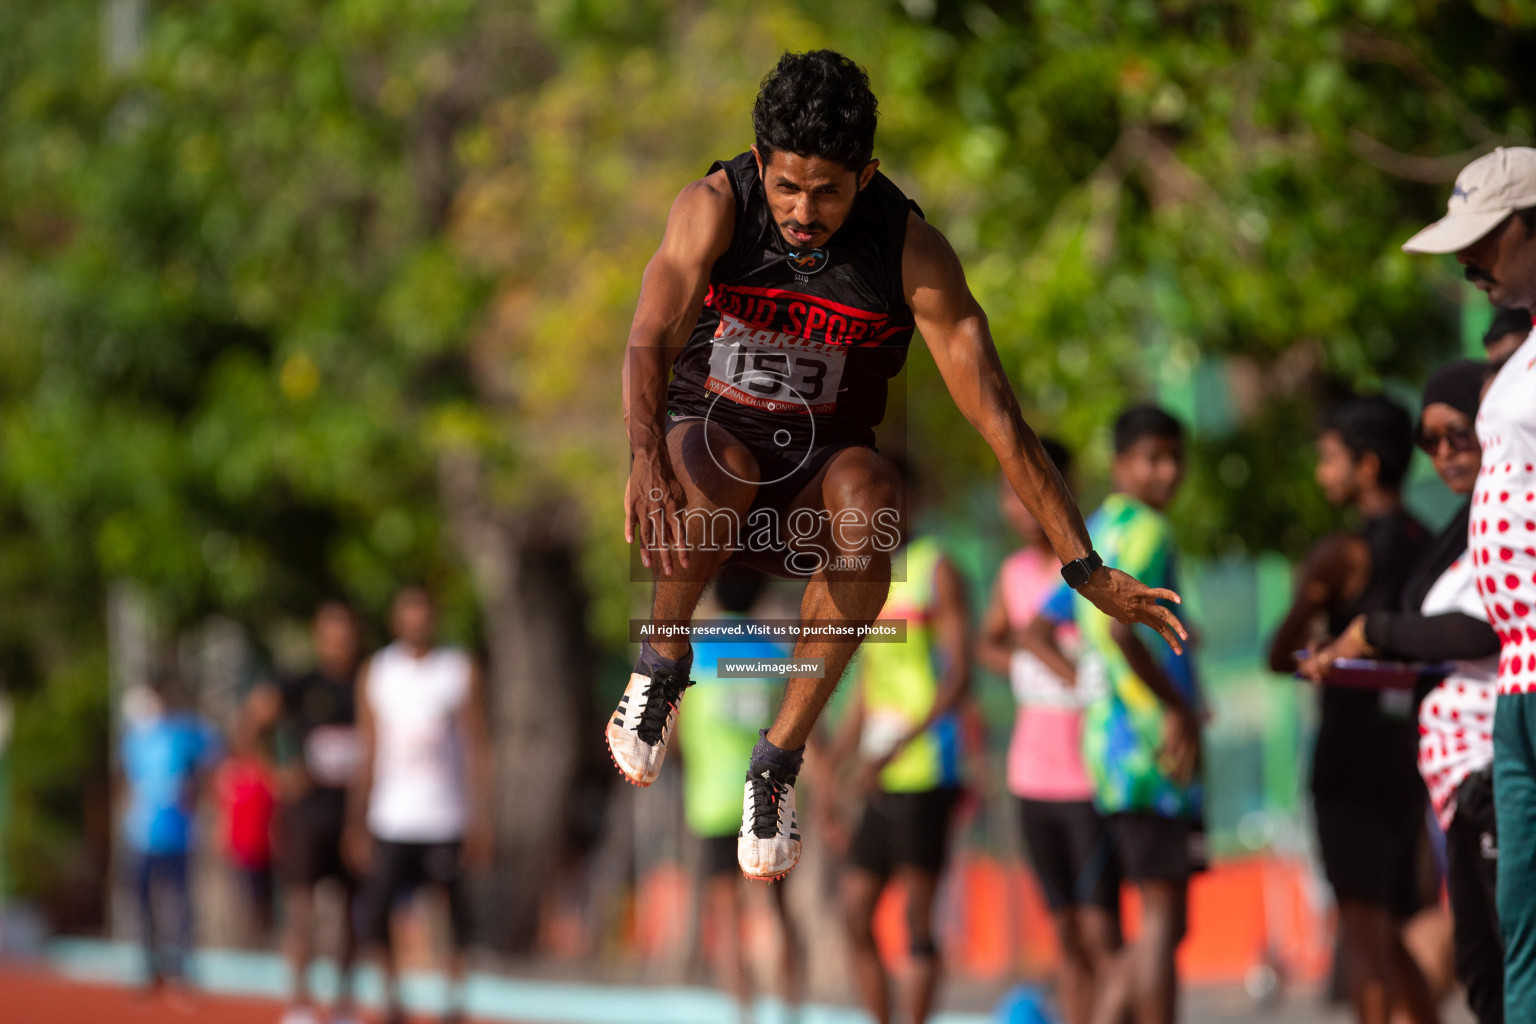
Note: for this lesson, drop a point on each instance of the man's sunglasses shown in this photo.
(1461, 439)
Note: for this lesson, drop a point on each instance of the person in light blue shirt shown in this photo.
(164, 753)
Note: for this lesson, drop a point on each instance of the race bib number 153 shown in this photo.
(774, 372)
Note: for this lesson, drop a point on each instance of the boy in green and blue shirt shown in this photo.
(1141, 741)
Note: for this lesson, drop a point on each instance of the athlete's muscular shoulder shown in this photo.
(699, 230)
(701, 223)
(932, 278)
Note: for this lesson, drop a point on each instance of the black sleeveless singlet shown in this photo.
(792, 352)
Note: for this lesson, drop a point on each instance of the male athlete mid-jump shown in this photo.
(782, 299)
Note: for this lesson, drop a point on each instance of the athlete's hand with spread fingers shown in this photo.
(653, 504)
(1126, 599)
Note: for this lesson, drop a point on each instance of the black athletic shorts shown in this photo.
(904, 830)
(1152, 848)
(783, 474)
(1370, 853)
(719, 856)
(399, 869)
(1072, 852)
(309, 832)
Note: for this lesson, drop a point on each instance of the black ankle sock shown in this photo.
(650, 661)
(783, 763)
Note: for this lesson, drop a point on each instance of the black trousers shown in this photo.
(1472, 864)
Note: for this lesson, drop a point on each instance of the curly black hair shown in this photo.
(816, 104)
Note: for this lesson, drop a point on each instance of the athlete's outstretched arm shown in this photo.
(955, 328)
(699, 230)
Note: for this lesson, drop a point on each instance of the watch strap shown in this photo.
(1079, 570)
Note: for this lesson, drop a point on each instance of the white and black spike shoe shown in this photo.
(641, 726)
(769, 842)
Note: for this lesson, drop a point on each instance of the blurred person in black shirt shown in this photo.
(1368, 799)
(312, 722)
(1443, 620)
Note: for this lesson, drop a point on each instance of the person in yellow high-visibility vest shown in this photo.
(904, 719)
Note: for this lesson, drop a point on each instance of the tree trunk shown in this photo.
(539, 683)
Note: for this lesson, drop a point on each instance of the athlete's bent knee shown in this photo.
(867, 483)
(865, 506)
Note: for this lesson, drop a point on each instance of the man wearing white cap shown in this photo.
(1490, 225)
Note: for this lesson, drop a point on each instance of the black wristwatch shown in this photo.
(1078, 572)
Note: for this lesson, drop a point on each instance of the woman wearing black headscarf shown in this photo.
(1443, 621)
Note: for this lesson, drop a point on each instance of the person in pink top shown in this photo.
(1070, 850)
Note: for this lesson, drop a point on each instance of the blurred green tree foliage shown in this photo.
(299, 298)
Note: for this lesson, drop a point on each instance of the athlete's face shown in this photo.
(1447, 435)
(1339, 473)
(1503, 264)
(1150, 470)
(808, 196)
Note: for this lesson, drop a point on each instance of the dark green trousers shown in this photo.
(1514, 797)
